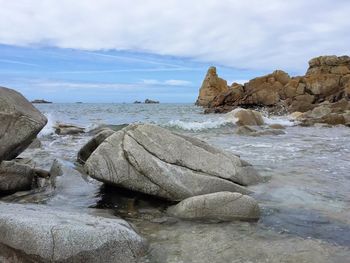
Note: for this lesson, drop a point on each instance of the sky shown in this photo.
(122, 51)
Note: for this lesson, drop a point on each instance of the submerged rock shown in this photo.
(20, 123)
(68, 129)
(155, 161)
(221, 206)
(250, 131)
(36, 233)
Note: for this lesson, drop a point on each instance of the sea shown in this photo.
(304, 199)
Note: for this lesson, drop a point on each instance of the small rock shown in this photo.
(221, 206)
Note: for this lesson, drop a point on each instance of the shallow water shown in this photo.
(305, 201)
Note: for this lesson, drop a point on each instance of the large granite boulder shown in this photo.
(20, 123)
(221, 206)
(156, 161)
(36, 233)
(247, 117)
(211, 87)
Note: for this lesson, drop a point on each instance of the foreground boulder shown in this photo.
(222, 206)
(35, 233)
(155, 161)
(327, 79)
(20, 123)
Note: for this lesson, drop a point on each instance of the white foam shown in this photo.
(49, 127)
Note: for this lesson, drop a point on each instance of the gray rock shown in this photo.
(15, 177)
(250, 131)
(20, 123)
(35, 144)
(221, 206)
(42, 234)
(155, 161)
(85, 152)
(68, 129)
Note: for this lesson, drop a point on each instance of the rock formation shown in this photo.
(327, 79)
(68, 129)
(212, 86)
(155, 161)
(20, 123)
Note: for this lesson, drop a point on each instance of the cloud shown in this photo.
(170, 82)
(251, 34)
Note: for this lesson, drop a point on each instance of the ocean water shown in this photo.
(305, 200)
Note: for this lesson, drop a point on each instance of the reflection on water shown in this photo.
(305, 201)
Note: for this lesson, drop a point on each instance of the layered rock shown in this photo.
(35, 233)
(68, 129)
(155, 161)
(221, 206)
(327, 79)
(20, 123)
(211, 87)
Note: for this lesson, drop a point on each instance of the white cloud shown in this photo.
(254, 34)
(170, 82)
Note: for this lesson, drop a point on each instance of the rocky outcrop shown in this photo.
(41, 102)
(36, 233)
(155, 161)
(212, 86)
(148, 101)
(326, 113)
(20, 123)
(222, 206)
(327, 79)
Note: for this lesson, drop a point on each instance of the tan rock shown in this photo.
(211, 87)
(277, 126)
(248, 117)
(296, 115)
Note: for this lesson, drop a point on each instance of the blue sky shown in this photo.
(67, 75)
(121, 51)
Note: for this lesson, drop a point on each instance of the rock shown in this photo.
(85, 152)
(247, 117)
(137, 102)
(148, 101)
(20, 123)
(327, 79)
(277, 126)
(114, 127)
(155, 161)
(36, 233)
(19, 175)
(221, 206)
(35, 144)
(296, 115)
(249, 131)
(15, 177)
(211, 87)
(41, 102)
(68, 129)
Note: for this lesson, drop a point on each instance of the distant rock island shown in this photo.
(41, 101)
(322, 94)
(147, 101)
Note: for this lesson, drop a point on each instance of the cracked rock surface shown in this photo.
(36, 233)
(156, 161)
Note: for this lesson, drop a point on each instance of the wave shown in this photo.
(225, 120)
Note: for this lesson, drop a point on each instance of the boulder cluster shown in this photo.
(326, 81)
